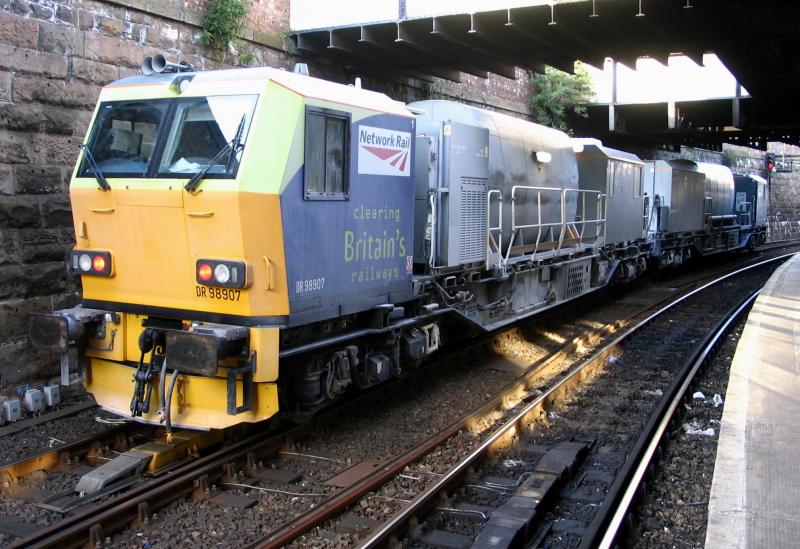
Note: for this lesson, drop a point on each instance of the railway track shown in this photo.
(579, 472)
(513, 396)
(88, 447)
(203, 479)
(612, 519)
(244, 465)
(65, 411)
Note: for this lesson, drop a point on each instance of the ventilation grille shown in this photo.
(577, 280)
(472, 218)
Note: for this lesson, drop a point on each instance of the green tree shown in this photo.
(556, 94)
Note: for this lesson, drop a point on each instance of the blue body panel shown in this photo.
(346, 256)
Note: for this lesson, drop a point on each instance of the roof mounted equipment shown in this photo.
(158, 64)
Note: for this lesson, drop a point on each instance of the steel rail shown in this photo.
(74, 530)
(121, 509)
(334, 505)
(427, 499)
(48, 458)
(608, 521)
(19, 426)
(341, 500)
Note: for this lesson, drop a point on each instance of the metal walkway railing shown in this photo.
(572, 233)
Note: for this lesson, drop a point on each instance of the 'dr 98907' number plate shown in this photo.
(223, 294)
(309, 285)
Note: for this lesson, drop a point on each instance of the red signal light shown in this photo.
(99, 263)
(769, 162)
(205, 272)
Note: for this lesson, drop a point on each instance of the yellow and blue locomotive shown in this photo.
(256, 241)
(221, 217)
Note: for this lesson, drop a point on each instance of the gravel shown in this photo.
(51, 434)
(675, 510)
(378, 430)
(613, 408)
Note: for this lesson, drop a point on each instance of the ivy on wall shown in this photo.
(222, 25)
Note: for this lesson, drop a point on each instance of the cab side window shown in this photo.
(326, 154)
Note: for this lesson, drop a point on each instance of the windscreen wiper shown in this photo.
(101, 179)
(232, 147)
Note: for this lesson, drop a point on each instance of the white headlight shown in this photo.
(222, 274)
(85, 262)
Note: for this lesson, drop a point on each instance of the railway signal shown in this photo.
(769, 162)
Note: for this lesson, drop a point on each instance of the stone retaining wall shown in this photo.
(54, 58)
(785, 186)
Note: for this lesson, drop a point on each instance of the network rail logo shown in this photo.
(383, 152)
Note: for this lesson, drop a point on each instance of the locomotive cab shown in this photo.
(751, 206)
(219, 214)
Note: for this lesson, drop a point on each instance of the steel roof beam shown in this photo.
(483, 59)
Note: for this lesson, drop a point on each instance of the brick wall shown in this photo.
(54, 58)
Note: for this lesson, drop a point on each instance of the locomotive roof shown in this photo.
(307, 86)
(436, 110)
(595, 146)
(717, 170)
(708, 169)
(754, 177)
(685, 164)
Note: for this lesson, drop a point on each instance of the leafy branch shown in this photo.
(558, 94)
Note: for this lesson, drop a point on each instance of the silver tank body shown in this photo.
(719, 187)
(512, 148)
(681, 186)
(618, 175)
(678, 188)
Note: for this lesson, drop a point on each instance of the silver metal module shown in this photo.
(34, 400)
(12, 410)
(52, 395)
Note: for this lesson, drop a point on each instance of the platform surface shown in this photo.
(755, 495)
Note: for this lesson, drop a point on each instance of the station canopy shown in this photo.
(759, 42)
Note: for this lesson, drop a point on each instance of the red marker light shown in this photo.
(205, 272)
(90, 262)
(99, 263)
